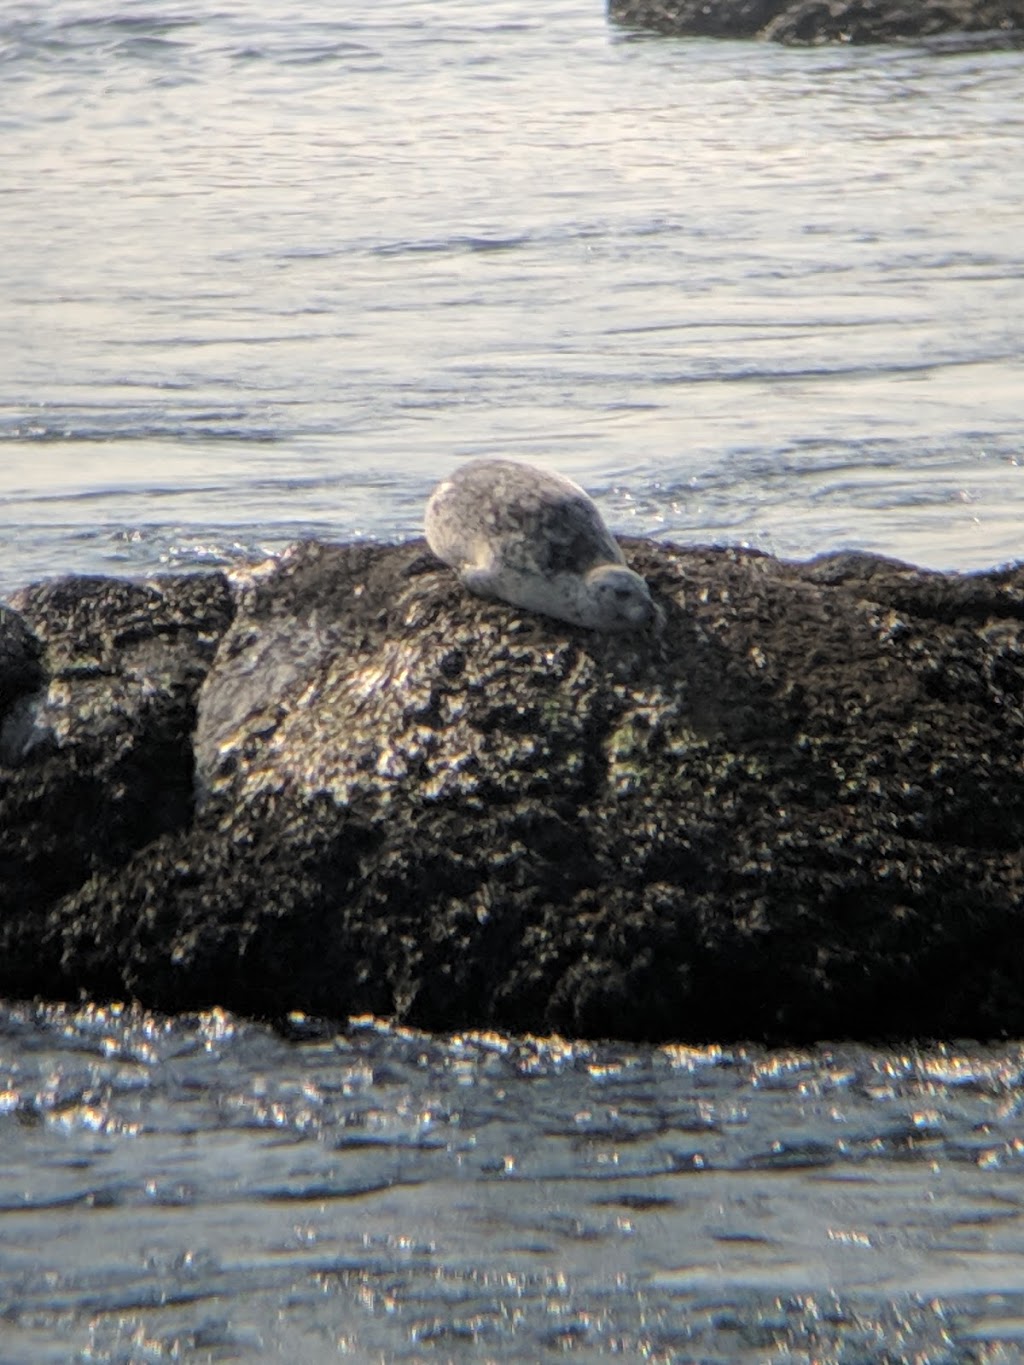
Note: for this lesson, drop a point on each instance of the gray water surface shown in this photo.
(202, 1189)
(269, 273)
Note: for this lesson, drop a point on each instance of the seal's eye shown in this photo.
(622, 594)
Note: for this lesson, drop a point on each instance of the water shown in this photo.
(201, 1189)
(267, 276)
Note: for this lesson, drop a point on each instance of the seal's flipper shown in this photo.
(480, 580)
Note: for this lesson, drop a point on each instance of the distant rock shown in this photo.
(796, 811)
(996, 22)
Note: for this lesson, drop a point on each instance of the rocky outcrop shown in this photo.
(994, 22)
(794, 810)
(98, 685)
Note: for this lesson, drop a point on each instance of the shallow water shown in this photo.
(268, 275)
(203, 1189)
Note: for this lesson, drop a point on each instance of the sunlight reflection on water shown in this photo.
(243, 251)
(509, 1194)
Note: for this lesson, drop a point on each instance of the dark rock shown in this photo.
(698, 18)
(795, 811)
(96, 743)
(997, 22)
(20, 667)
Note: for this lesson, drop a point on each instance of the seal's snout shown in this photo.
(641, 613)
(637, 605)
(621, 598)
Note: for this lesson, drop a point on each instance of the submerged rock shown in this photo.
(794, 810)
(992, 22)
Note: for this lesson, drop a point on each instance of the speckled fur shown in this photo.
(536, 540)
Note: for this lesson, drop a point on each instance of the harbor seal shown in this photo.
(521, 535)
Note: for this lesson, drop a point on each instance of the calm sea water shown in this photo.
(269, 273)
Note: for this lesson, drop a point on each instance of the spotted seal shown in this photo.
(519, 534)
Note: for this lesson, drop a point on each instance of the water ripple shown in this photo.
(473, 1181)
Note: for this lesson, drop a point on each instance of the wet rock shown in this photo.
(20, 667)
(95, 744)
(794, 811)
(992, 22)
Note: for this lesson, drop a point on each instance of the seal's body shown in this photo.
(519, 534)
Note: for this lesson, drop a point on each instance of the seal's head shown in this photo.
(616, 598)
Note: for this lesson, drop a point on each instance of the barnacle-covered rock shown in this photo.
(791, 809)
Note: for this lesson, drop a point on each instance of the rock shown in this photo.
(20, 667)
(991, 22)
(795, 811)
(698, 18)
(96, 737)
